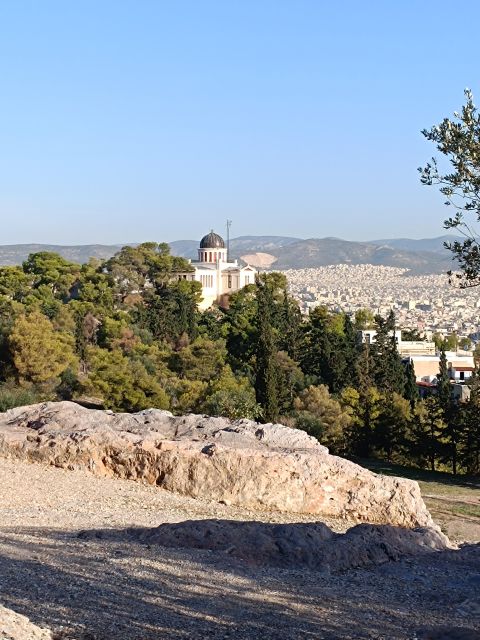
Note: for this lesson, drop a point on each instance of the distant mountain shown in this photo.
(426, 244)
(13, 254)
(184, 248)
(282, 252)
(321, 252)
(238, 246)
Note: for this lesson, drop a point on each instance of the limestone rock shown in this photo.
(262, 467)
(291, 546)
(14, 626)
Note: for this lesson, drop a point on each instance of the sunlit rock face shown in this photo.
(261, 467)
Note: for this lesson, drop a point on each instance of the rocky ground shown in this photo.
(70, 563)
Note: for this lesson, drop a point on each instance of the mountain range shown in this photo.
(280, 252)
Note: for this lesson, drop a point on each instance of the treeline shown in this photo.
(128, 333)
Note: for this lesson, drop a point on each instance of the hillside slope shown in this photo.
(286, 252)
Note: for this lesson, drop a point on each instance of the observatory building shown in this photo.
(218, 276)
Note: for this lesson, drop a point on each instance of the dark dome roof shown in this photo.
(212, 241)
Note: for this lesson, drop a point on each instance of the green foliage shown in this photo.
(41, 354)
(392, 425)
(124, 384)
(129, 332)
(231, 397)
(411, 335)
(458, 140)
(13, 396)
(364, 319)
(469, 438)
(201, 360)
(320, 415)
(387, 370)
(267, 375)
(425, 438)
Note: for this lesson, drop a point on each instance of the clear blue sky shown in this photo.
(132, 120)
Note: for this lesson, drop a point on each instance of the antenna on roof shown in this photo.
(229, 224)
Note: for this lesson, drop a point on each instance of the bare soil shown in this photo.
(66, 563)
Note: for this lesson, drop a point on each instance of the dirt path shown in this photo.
(99, 587)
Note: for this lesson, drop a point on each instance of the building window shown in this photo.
(229, 282)
(247, 279)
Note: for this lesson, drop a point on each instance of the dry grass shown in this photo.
(453, 501)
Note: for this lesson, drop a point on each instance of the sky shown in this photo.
(134, 120)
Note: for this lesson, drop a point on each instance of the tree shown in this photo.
(267, 374)
(291, 326)
(323, 354)
(450, 411)
(425, 439)
(443, 382)
(458, 140)
(320, 415)
(364, 319)
(123, 383)
(411, 335)
(51, 271)
(40, 353)
(469, 453)
(135, 270)
(231, 397)
(203, 360)
(411, 390)
(388, 372)
(364, 406)
(290, 381)
(392, 425)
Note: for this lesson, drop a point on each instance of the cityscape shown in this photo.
(427, 303)
(239, 381)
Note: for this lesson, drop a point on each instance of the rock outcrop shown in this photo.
(14, 626)
(262, 467)
(295, 546)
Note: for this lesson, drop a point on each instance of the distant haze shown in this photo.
(280, 252)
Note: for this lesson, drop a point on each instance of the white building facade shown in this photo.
(218, 276)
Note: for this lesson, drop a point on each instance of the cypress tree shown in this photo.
(443, 382)
(469, 452)
(351, 351)
(267, 376)
(291, 326)
(388, 370)
(451, 413)
(411, 389)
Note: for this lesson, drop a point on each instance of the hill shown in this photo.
(12, 254)
(286, 252)
(424, 244)
(321, 252)
(238, 246)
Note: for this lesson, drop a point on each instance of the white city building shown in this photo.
(218, 276)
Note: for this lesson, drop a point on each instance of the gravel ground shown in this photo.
(103, 588)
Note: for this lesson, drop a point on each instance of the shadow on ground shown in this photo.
(104, 584)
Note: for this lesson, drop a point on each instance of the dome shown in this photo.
(212, 241)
